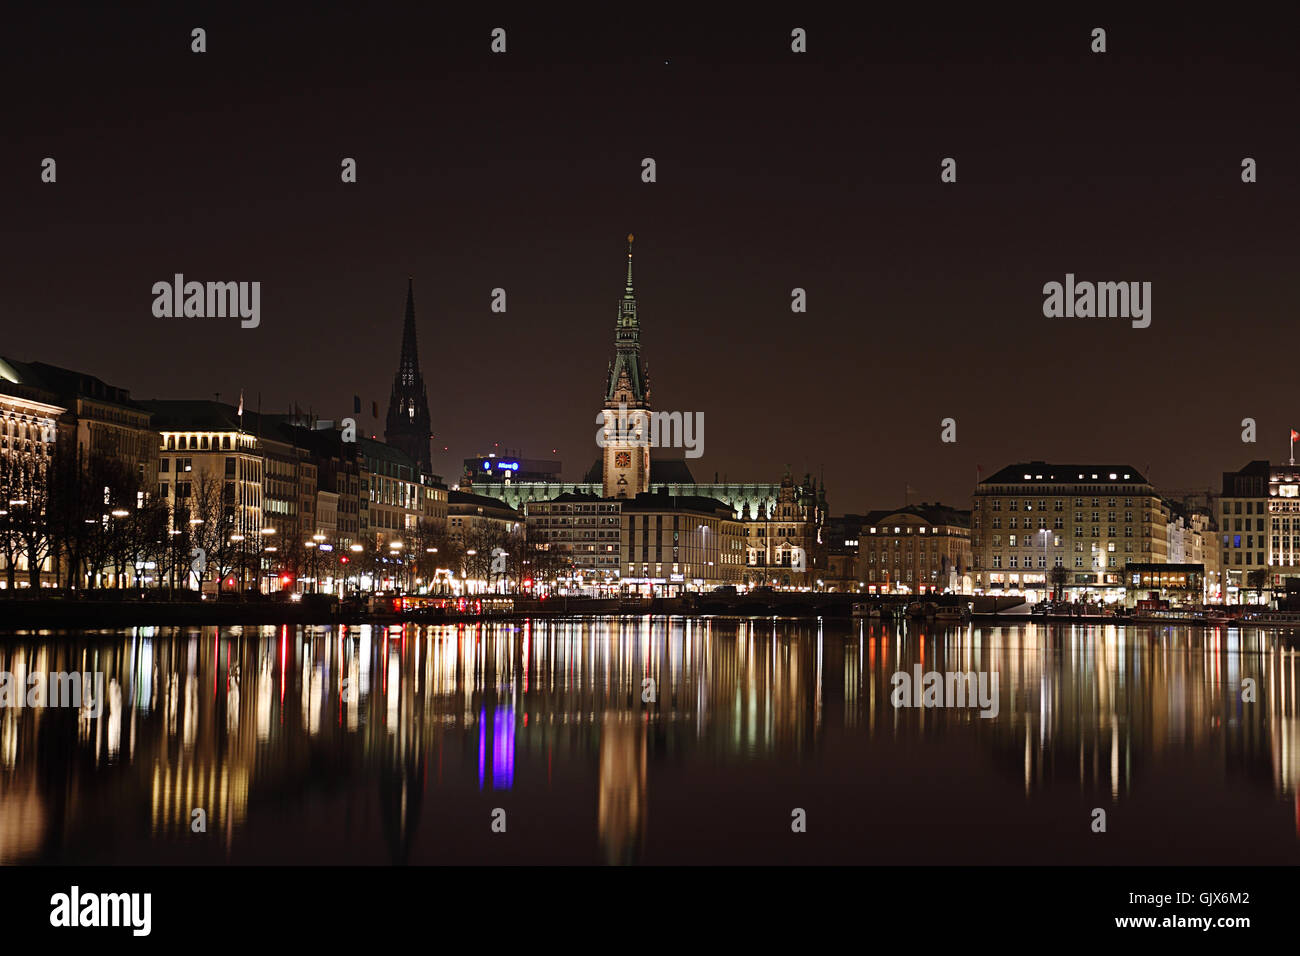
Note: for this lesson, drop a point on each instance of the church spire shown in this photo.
(627, 368)
(408, 427)
(628, 294)
(409, 365)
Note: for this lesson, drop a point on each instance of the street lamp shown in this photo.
(395, 553)
(356, 549)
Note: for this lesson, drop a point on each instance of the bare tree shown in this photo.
(213, 522)
(20, 476)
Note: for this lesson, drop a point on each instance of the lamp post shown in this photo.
(1043, 532)
(238, 541)
(316, 541)
(357, 550)
(395, 553)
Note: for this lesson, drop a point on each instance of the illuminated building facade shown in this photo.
(398, 498)
(784, 546)
(474, 519)
(1090, 520)
(212, 472)
(28, 430)
(673, 544)
(1259, 527)
(581, 531)
(919, 549)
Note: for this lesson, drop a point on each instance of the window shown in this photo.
(164, 465)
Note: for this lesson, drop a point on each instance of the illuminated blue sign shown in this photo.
(508, 465)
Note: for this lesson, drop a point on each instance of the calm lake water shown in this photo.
(382, 745)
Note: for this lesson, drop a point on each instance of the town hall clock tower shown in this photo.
(626, 461)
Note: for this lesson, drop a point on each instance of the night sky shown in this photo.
(775, 170)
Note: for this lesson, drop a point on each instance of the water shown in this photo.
(398, 745)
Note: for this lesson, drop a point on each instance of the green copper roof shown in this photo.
(627, 343)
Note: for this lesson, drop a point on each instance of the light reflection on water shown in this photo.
(382, 745)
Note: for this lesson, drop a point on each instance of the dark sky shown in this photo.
(775, 170)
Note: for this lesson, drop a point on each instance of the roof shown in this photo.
(184, 414)
(663, 471)
(1033, 472)
(571, 496)
(662, 501)
(935, 514)
(62, 382)
(670, 471)
(459, 501)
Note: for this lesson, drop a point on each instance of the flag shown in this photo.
(241, 403)
(356, 404)
(1295, 435)
(374, 409)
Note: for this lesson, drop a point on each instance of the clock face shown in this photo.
(622, 459)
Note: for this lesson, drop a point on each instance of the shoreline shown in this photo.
(63, 614)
